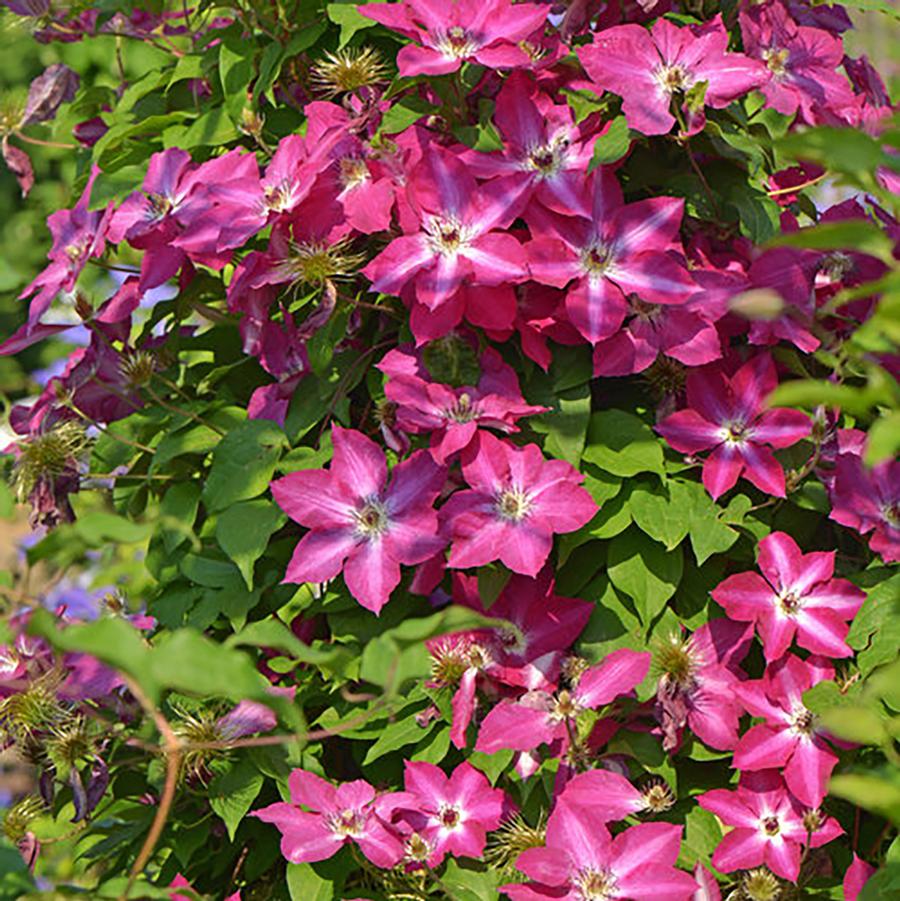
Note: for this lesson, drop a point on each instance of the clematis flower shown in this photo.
(803, 61)
(727, 413)
(456, 242)
(453, 415)
(621, 249)
(582, 860)
(541, 718)
(858, 874)
(768, 826)
(789, 740)
(696, 688)
(356, 515)
(527, 652)
(449, 814)
(681, 331)
(868, 500)
(795, 596)
(322, 818)
(486, 32)
(648, 69)
(543, 147)
(79, 235)
(516, 501)
(608, 794)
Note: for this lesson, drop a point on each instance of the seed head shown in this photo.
(348, 70)
(512, 838)
(48, 456)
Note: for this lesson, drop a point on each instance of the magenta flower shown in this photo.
(803, 61)
(543, 147)
(795, 596)
(648, 69)
(697, 684)
(868, 500)
(452, 815)
(453, 415)
(526, 652)
(486, 32)
(456, 242)
(516, 501)
(769, 826)
(582, 860)
(789, 740)
(607, 794)
(333, 816)
(684, 332)
(355, 515)
(78, 236)
(622, 249)
(541, 718)
(727, 413)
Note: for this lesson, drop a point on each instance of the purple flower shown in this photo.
(359, 522)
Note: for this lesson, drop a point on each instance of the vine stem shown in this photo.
(173, 750)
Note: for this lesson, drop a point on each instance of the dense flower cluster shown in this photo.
(480, 357)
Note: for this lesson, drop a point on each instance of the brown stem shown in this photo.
(39, 143)
(172, 750)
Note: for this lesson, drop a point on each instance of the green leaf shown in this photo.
(855, 723)
(243, 532)
(883, 441)
(645, 571)
(702, 835)
(243, 463)
(660, 516)
(464, 884)
(178, 511)
(345, 15)
(97, 528)
(860, 235)
(878, 792)
(566, 425)
(612, 144)
(404, 113)
(305, 884)
(405, 731)
(236, 70)
(492, 579)
(622, 444)
(232, 793)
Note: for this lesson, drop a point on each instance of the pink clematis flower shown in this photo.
(543, 147)
(333, 817)
(621, 249)
(769, 826)
(541, 718)
(789, 739)
(450, 814)
(727, 414)
(453, 415)
(457, 243)
(582, 860)
(606, 793)
(515, 502)
(858, 874)
(447, 35)
(648, 69)
(78, 236)
(868, 500)
(527, 652)
(795, 596)
(355, 515)
(803, 61)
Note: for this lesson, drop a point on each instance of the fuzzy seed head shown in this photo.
(760, 885)
(314, 262)
(20, 816)
(348, 70)
(48, 456)
(512, 838)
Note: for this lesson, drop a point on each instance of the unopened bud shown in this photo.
(758, 303)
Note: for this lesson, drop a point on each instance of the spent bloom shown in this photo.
(359, 521)
(321, 818)
(516, 501)
(795, 596)
(727, 414)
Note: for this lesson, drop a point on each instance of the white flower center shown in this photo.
(513, 504)
(371, 520)
(776, 59)
(348, 823)
(446, 235)
(456, 43)
(594, 885)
